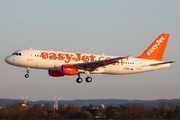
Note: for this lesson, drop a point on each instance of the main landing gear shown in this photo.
(27, 70)
(88, 78)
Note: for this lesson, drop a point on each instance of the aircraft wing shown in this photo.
(91, 66)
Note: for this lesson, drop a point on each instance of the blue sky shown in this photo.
(113, 27)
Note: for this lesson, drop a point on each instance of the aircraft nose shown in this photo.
(7, 60)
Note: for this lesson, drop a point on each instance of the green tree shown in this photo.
(177, 112)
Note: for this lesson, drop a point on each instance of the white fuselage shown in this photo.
(53, 59)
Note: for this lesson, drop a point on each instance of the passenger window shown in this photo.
(19, 54)
(16, 53)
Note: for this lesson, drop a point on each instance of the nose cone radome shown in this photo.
(8, 60)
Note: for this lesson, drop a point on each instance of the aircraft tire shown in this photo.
(79, 80)
(26, 75)
(88, 79)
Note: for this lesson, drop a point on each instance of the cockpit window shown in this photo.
(15, 53)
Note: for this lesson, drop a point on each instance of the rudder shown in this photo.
(156, 50)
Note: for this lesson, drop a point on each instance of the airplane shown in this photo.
(60, 64)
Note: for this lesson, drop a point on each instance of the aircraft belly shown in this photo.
(46, 64)
(37, 64)
(120, 69)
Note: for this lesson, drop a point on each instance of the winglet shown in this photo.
(127, 57)
(156, 50)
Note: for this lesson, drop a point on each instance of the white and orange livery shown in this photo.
(60, 64)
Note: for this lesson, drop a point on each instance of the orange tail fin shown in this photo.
(156, 50)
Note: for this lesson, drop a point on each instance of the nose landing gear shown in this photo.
(26, 75)
(27, 70)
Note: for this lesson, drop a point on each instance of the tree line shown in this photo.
(130, 111)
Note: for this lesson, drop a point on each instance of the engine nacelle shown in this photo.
(70, 69)
(55, 73)
(64, 70)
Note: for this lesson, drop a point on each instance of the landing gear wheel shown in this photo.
(26, 75)
(79, 80)
(88, 79)
(27, 70)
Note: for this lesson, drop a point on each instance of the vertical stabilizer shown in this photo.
(156, 50)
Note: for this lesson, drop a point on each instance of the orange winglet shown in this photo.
(127, 57)
(156, 50)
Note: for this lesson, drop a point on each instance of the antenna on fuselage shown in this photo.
(30, 48)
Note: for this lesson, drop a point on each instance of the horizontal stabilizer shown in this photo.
(155, 64)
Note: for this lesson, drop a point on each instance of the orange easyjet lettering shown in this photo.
(44, 55)
(78, 58)
(85, 58)
(75, 57)
(92, 57)
(52, 56)
(100, 58)
(68, 58)
(60, 56)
